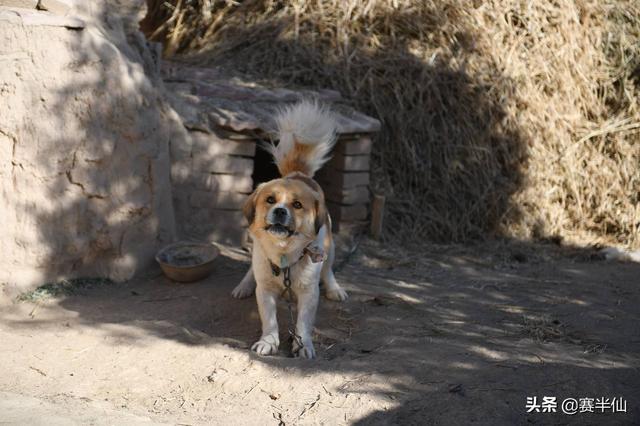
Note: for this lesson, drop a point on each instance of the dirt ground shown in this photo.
(441, 335)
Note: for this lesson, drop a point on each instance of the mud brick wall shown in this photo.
(345, 180)
(211, 177)
(85, 189)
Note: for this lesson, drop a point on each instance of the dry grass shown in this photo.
(543, 329)
(505, 117)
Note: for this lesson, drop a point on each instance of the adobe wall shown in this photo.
(84, 149)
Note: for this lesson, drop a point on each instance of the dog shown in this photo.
(291, 228)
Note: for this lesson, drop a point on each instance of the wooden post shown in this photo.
(377, 212)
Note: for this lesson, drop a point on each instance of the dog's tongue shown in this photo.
(279, 229)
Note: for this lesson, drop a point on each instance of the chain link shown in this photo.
(289, 296)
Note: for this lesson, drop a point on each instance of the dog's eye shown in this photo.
(297, 205)
(271, 199)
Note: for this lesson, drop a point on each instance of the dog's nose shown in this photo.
(280, 213)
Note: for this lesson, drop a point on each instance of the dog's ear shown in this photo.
(249, 208)
(320, 206)
(321, 213)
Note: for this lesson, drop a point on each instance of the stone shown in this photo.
(223, 182)
(348, 163)
(228, 226)
(331, 180)
(217, 199)
(211, 145)
(187, 107)
(355, 195)
(223, 164)
(354, 146)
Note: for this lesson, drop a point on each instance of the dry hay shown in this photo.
(543, 329)
(511, 118)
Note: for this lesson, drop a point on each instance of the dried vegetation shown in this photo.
(505, 117)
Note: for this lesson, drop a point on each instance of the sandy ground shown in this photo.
(442, 335)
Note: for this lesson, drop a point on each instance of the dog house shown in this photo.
(227, 119)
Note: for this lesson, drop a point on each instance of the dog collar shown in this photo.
(315, 253)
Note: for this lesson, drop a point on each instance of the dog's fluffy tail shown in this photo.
(307, 132)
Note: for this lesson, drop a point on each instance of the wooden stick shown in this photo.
(377, 213)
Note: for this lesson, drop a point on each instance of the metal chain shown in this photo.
(287, 289)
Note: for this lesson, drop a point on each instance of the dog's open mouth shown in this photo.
(279, 230)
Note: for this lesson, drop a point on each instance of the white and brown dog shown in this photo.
(291, 228)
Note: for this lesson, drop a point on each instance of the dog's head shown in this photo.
(292, 207)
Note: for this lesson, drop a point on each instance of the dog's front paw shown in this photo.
(337, 294)
(267, 345)
(242, 291)
(307, 351)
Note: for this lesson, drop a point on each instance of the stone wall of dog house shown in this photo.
(345, 180)
(211, 180)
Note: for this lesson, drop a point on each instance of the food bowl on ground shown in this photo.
(187, 261)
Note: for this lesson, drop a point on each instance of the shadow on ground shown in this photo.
(445, 333)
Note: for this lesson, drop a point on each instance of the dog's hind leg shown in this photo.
(246, 286)
(333, 291)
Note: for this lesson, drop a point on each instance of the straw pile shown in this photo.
(500, 118)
